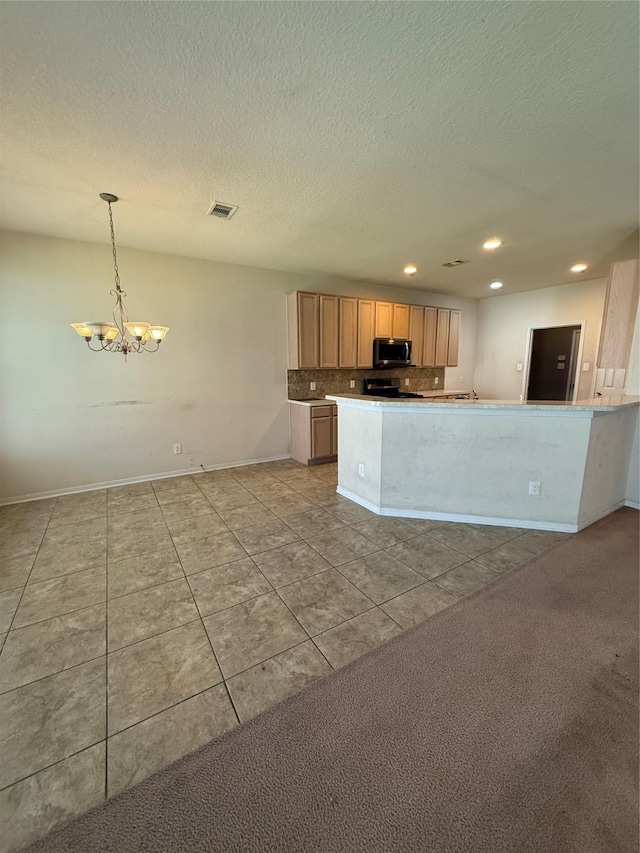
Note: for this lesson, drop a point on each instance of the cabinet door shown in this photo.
(348, 332)
(454, 338)
(430, 330)
(366, 323)
(442, 337)
(400, 321)
(329, 323)
(321, 437)
(416, 333)
(334, 431)
(384, 320)
(308, 330)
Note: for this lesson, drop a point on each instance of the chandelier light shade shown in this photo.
(121, 335)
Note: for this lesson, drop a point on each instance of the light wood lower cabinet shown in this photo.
(314, 433)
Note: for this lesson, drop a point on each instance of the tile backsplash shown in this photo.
(337, 381)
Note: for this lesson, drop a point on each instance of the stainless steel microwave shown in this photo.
(391, 352)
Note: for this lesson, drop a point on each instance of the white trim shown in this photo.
(527, 361)
(37, 496)
(451, 516)
(593, 518)
(632, 504)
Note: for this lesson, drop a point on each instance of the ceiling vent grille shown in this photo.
(457, 263)
(222, 210)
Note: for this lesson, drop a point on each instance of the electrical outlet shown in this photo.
(534, 487)
(406, 381)
(360, 469)
(177, 448)
(312, 386)
(436, 381)
(352, 383)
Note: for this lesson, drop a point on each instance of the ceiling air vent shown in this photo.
(222, 210)
(457, 263)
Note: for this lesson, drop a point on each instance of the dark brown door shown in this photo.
(552, 371)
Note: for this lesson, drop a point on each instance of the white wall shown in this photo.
(72, 418)
(503, 327)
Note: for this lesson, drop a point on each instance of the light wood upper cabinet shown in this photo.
(348, 332)
(400, 327)
(620, 308)
(327, 331)
(303, 329)
(442, 337)
(329, 334)
(384, 320)
(366, 328)
(430, 331)
(416, 334)
(454, 338)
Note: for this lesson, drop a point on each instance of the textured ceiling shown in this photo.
(354, 136)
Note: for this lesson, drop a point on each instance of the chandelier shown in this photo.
(122, 335)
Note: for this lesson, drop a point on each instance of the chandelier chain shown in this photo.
(113, 249)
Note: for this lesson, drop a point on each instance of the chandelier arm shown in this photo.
(144, 349)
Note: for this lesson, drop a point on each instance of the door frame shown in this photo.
(527, 363)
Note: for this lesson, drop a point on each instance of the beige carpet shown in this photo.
(507, 722)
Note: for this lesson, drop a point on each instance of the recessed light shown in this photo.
(495, 285)
(410, 269)
(492, 243)
(578, 267)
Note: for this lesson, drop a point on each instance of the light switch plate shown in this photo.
(312, 386)
(519, 366)
(585, 366)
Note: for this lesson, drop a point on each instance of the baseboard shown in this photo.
(605, 512)
(632, 504)
(74, 490)
(465, 519)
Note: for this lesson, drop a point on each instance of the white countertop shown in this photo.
(597, 404)
(325, 401)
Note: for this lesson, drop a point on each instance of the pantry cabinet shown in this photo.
(314, 433)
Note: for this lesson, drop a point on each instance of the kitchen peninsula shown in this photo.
(548, 466)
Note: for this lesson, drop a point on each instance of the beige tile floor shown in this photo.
(142, 621)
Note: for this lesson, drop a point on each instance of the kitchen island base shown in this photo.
(479, 461)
